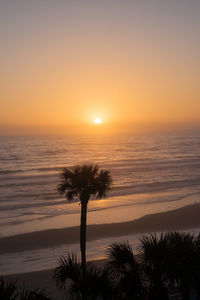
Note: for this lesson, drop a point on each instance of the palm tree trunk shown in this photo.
(83, 235)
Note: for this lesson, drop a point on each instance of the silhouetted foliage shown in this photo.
(82, 182)
(123, 264)
(165, 263)
(196, 267)
(171, 261)
(181, 261)
(96, 284)
(8, 290)
(12, 291)
(37, 294)
(154, 256)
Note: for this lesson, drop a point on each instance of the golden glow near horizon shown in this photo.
(97, 121)
(65, 62)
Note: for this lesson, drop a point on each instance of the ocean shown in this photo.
(151, 173)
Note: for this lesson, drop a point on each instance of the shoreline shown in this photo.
(186, 217)
(44, 279)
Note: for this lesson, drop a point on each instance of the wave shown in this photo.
(133, 163)
(155, 186)
(119, 191)
(164, 167)
(14, 179)
(47, 216)
(5, 172)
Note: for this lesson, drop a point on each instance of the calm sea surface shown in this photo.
(150, 173)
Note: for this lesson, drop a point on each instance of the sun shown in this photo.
(97, 121)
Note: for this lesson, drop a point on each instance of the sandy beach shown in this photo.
(182, 218)
(43, 279)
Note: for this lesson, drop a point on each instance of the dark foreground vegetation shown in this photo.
(13, 291)
(166, 266)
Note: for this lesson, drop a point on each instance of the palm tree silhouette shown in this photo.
(96, 284)
(154, 256)
(8, 290)
(81, 182)
(12, 291)
(183, 257)
(196, 266)
(127, 271)
(37, 294)
(171, 261)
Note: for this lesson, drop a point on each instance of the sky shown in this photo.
(132, 63)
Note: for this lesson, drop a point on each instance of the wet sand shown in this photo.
(43, 279)
(187, 217)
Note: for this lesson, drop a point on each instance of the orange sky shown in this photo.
(63, 64)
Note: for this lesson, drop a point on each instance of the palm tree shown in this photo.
(154, 257)
(8, 290)
(171, 261)
(82, 182)
(183, 261)
(196, 266)
(37, 294)
(96, 284)
(123, 264)
(12, 291)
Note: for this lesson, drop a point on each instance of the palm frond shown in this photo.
(100, 283)
(69, 269)
(8, 290)
(104, 182)
(126, 269)
(83, 181)
(153, 246)
(37, 294)
(182, 246)
(96, 283)
(120, 255)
